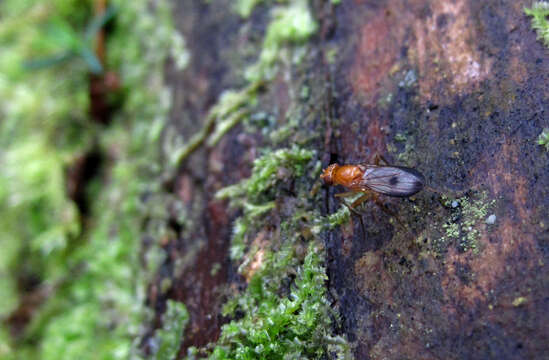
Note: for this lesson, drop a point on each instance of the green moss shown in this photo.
(168, 339)
(539, 12)
(244, 8)
(281, 318)
(91, 276)
(229, 111)
(291, 24)
(40, 133)
(339, 217)
(278, 322)
(543, 139)
(264, 175)
(255, 195)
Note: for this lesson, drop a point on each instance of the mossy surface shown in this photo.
(282, 316)
(74, 287)
(543, 139)
(167, 340)
(277, 303)
(539, 12)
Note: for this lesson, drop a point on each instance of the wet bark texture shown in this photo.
(455, 88)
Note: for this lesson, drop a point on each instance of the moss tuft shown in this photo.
(539, 12)
(281, 323)
(292, 24)
(265, 175)
(543, 138)
(168, 339)
(255, 195)
(244, 8)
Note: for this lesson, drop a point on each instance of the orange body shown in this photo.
(347, 175)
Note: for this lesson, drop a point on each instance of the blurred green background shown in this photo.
(77, 128)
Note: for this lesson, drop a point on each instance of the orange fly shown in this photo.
(371, 180)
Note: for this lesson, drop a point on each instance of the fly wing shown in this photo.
(395, 181)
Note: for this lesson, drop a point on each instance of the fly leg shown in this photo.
(352, 206)
(379, 158)
(391, 213)
(346, 194)
(357, 202)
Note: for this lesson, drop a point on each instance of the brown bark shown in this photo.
(455, 88)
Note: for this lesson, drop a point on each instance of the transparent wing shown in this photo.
(393, 180)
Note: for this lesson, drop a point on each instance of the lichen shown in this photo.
(519, 301)
(539, 12)
(466, 222)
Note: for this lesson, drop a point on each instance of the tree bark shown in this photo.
(457, 89)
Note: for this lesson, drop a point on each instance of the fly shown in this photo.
(396, 181)
(371, 180)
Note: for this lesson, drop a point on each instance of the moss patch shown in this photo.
(279, 322)
(168, 339)
(88, 278)
(543, 139)
(539, 12)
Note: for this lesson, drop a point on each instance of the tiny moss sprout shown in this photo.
(543, 138)
(167, 340)
(539, 12)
